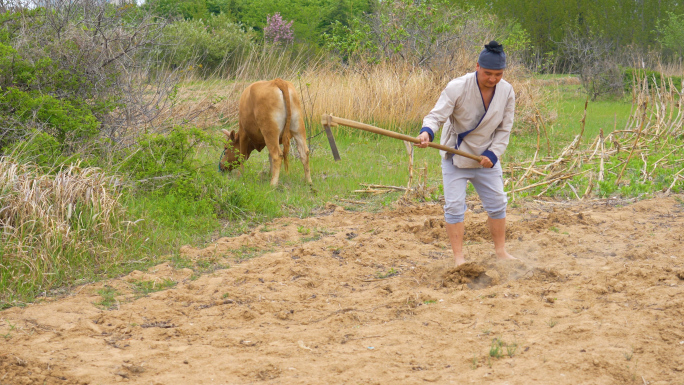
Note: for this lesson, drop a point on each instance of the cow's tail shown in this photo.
(285, 138)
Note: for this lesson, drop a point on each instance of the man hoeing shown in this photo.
(477, 112)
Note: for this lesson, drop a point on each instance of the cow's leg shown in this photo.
(299, 135)
(275, 155)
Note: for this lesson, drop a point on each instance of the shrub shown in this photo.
(670, 34)
(78, 69)
(277, 30)
(206, 43)
(434, 34)
(164, 169)
(28, 101)
(632, 76)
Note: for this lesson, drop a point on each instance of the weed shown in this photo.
(315, 237)
(8, 335)
(552, 322)
(628, 355)
(390, 273)
(303, 230)
(317, 234)
(244, 253)
(496, 348)
(474, 362)
(429, 302)
(486, 332)
(108, 295)
(510, 349)
(143, 288)
(225, 295)
(554, 229)
(680, 201)
(199, 267)
(179, 262)
(209, 266)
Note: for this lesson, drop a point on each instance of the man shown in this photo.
(477, 112)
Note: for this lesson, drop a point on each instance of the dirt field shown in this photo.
(373, 298)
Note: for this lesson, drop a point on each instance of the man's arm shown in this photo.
(502, 133)
(443, 109)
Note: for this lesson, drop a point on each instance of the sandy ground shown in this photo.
(373, 298)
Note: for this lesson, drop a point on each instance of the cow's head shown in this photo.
(231, 157)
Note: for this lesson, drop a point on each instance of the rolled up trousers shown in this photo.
(488, 183)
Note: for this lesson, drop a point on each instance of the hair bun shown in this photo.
(494, 46)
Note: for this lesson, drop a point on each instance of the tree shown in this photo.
(670, 34)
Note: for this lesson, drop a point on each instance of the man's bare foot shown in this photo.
(504, 256)
(459, 260)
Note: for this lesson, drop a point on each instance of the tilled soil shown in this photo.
(597, 297)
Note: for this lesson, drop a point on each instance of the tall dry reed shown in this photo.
(393, 95)
(53, 225)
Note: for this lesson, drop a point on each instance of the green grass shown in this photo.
(564, 109)
(245, 252)
(246, 199)
(365, 159)
(389, 273)
(496, 348)
(199, 267)
(108, 295)
(11, 328)
(499, 348)
(143, 288)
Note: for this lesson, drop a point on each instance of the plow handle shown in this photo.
(330, 120)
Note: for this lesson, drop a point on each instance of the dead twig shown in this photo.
(636, 141)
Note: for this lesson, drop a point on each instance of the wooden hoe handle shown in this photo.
(329, 120)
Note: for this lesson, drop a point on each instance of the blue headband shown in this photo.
(492, 57)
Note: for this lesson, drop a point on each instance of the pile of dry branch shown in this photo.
(654, 128)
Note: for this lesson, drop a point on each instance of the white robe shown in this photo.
(460, 108)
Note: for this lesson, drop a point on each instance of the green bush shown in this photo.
(654, 78)
(670, 34)
(28, 101)
(206, 43)
(178, 190)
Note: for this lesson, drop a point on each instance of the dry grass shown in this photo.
(394, 95)
(52, 223)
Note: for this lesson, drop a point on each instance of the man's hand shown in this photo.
(424, 140)
(485, 162)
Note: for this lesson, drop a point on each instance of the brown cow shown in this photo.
(270, 114)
